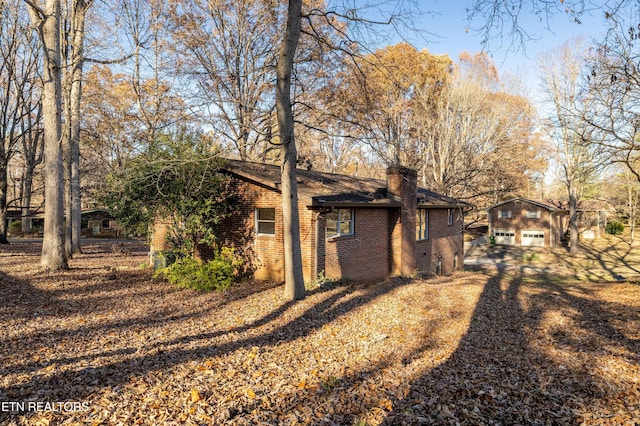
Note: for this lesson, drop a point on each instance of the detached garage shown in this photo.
(533, 238)
(505, 236)
(524, 222)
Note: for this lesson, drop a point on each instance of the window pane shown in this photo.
(267, 214)
(267, 228)
(345, 228)
(422, 222)
(332, 227)
(345, 214)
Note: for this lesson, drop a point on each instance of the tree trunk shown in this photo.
(47, 23)
(294, 280)
(573, 223)
(74, 86)
(3, 202)
(25, 214)
(32, 150)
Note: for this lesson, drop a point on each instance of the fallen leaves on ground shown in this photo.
(115, 347)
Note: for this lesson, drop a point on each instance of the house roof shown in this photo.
(550, 205)
(562, 205)
(320, 189)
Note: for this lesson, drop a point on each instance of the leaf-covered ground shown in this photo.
(102, 343)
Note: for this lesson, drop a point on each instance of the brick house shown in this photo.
(524, 222)
(350, 227)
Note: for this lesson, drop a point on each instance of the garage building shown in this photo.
(525, 222)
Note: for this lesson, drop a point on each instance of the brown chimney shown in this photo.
(402, 186)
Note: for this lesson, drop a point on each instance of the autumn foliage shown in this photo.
(474, 348)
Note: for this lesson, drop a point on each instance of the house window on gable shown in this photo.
(266, 221)
(422, 224)
(340, 223)
(504, 214)
(533, 214)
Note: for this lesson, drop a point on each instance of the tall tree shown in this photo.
(32, 146)
(467, 130)
(578, 153)
(18, 72)
(379, 93)
(614, 80)
(45, 18)
(229, 50)
(74, 62)
(294, 280)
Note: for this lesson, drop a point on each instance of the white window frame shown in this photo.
(532, 214)
(258, 221)
(504, 214)
(422, 224)
(340, 219)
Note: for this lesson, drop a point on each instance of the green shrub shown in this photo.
(15, 228)
(614, 227)
(531, 257)
(217, 274)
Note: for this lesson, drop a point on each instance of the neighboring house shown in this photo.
(94, 223)
(524, 222)
(100, 223)
(593, 216)
(350, 227)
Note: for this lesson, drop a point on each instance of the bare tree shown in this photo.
(17, 73)
(614, 81)
(72, 88)
(294, 280)
(578, 153)
(229, 50)
(45, 17)
(32, 151)
(468, 130)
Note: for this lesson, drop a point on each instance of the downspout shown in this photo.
(551, 235)
(315, 247)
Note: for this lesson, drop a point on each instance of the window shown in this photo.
(106, 223)
(532, 214)
(450, 218)
(422, 224)
(266, 221)
(339, 223)
(504, 214)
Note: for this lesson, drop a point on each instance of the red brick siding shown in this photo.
(361, 256)
(519, 222)
(383, 242)
(401, 183)
(265, 253)
(445, 242)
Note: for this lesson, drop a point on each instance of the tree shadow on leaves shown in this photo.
(505, 371)
(90, 371)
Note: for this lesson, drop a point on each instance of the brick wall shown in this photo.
(383, 241)
(401, 183)
(264, 254)
(519, 222)
(444, 245)
(361, 256)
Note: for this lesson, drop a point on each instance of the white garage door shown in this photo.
(505, 236)
(533, 238)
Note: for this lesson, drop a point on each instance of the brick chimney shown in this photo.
(402, 186)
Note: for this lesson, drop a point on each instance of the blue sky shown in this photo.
(444, 24)
(451, 37)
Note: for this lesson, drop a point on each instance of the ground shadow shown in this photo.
(500, 375)
(67, 382)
